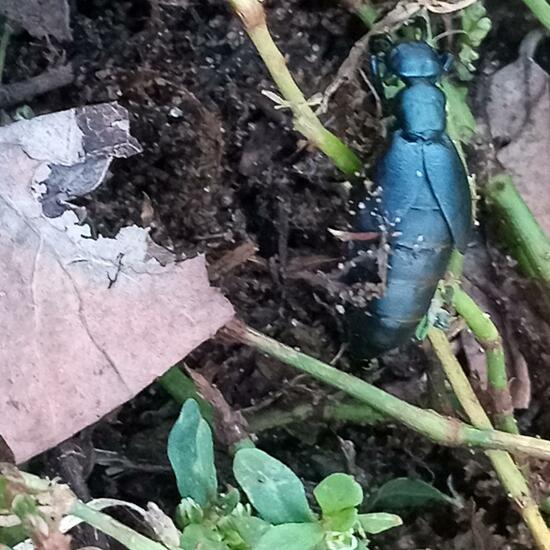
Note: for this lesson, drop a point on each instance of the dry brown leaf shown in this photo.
(518, 111)
(40, 17)
(84, 324)
(233, 259)
(438, 6)
(6, 454)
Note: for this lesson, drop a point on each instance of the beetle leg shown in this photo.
(375, 64)
(347, 236)
(447, 61)
(383, 253)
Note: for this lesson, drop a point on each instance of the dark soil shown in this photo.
(222, 167)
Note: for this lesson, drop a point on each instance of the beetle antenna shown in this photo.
(381, 45)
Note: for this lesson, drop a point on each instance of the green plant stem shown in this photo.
(110, 526)
(454, 269)
(528, 243)
(488, 337)
(509, 474)
(4, 41)
(101, 521)
(368, 14)
(541, 10)
(438, 428)
(364, 10)
(181, 388)
(328, 411)
(252, 15)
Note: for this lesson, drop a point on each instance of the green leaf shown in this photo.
(12, 536)
(403, 493)
(341, 521)
(338, 492)
(271, 487)
(229, 501)
(4, 500)
(24, 505)
(292, 536)
(368, 14)
(391, 90)
(340, 541)
(191, 454)
(378, 522)
(250, 529)
(199, 537)
(461, 123)
(476, 25)
(188, 511)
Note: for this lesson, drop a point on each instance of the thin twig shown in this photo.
(252, 15)
(509, 474)
(446, 34)
(375, 94)
(402, 12)
(486, 334)
(4, 41)
(121, 533)
(181, 387)
(19, 92)
(438, 428)
(328, 410)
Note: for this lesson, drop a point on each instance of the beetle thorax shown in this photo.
(421, 111)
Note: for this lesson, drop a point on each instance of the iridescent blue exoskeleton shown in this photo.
(422, 204)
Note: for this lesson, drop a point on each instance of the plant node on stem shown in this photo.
(438, 428)
(510, 476)
(486, 334)
(488, 337)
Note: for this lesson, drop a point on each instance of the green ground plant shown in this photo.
(276, 512)
(277, 515)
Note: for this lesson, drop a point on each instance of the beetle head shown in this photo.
(415, 60)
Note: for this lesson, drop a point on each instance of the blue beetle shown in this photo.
(422, 204)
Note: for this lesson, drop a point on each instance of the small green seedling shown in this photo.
(277, 515)
(475, 27)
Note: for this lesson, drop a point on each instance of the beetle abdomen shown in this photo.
(414, 270)
(420, 246)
